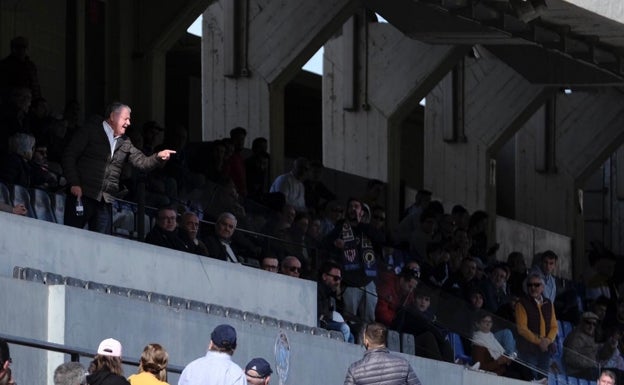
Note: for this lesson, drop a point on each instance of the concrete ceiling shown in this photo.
(549, 42)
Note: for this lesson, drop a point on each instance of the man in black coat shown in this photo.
(92, 163)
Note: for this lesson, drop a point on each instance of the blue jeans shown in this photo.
(341, 327)
(539, 360)
(506, 339)
(354, 297)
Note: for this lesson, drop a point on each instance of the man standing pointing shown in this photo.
(92, 163)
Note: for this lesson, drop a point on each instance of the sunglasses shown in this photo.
(335, 277)
(534, 284)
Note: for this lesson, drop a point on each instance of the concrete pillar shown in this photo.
(496, 103)
(276, 39)
(586, 132)
(395, 73)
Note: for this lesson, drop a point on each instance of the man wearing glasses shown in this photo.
(537, 326)
(328, 286)
(291, 266)
(165, 232)
(582, 353)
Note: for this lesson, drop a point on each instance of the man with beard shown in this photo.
(352, 244)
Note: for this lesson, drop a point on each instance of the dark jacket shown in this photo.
(168, 239)
(379, 367)
(105, 377)
(325, 301)
(87, 162)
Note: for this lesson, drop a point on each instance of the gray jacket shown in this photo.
(379, 367)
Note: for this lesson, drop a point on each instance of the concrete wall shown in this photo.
(530, 240)
(96, 257)
(82, 318)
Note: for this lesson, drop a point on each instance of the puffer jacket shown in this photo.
(379, 367)
(87, 162)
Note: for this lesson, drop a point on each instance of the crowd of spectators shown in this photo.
(402, 275)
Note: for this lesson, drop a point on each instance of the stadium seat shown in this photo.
(18, 272)
(5, 194)
(394, 341)
(42, 205)
(31, 274)
(97, 286)
(59, 207)
(301, 328)
(336, 335)
(458, 348)
(216, 310)
(139, 294)
(53, 279)
(251, 317)
(408, 346)
(285, 325)
(270, 321)
(22, 196)
(320, 332)
(119, 290)
(197, 306)
(75, 282)
(583, 381)
(160, 299)
(233, 313)
(178, 302)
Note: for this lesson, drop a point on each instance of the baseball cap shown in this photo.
(260, 365)
(589, 315)
(224, 336)
(110, 347)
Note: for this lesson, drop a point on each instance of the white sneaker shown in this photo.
(476, 366)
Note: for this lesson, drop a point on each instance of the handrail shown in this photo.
(74, 352)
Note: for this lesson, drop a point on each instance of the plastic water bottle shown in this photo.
(79, 207)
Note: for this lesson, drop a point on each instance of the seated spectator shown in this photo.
(423, 234)
(537, 325)
(463, 280)
(333, 212)
(581, 354)
(328, 286)
(435, 268)
(269, 263)
(16, 168)
(45, 175)
(189, 228)
(395, 293)
(106, 367)
(291, 184)
(291, 266)
(494, 289)
(485, 347)
(430, 340)
(164, 234)
(219, 243)
(599, 307)
(152, 367)
(69, 373)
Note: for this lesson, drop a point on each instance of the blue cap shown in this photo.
(260, 365)
(224, 336)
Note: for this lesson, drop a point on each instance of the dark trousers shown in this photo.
(97, 216)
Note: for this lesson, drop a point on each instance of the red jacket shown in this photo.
(390, 299)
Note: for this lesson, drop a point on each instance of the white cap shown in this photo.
(110, 347)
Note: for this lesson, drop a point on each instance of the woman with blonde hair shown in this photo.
(152, 367)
